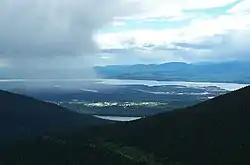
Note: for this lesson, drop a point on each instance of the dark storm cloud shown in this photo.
(44, 28)
(53, 38)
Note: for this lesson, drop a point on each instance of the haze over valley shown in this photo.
(128, 98)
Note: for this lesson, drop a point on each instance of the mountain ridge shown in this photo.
(22, 115)
(216, 131)
(226, 72)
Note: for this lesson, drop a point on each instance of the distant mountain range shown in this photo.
(233, 72)
(214, 132)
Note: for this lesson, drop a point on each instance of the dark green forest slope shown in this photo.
(22, 116)
(216, 132)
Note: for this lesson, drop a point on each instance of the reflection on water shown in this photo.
(118, 118)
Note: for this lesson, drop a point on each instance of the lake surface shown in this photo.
(118, 118)
(78, 82)
(227, 86)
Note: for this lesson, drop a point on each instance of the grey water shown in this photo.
(99, 82)
(118, 118)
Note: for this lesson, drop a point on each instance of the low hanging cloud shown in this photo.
(230, 46)
(34, 31)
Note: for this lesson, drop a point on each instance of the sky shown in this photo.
(182, 30)
(66, 34)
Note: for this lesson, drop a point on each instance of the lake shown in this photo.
(118, 118)
(227, 86)
(80, 82)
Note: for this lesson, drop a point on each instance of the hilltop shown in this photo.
(216, 131)
(26, 116)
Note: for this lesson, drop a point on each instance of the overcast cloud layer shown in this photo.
(35, 31)
(61, 34)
